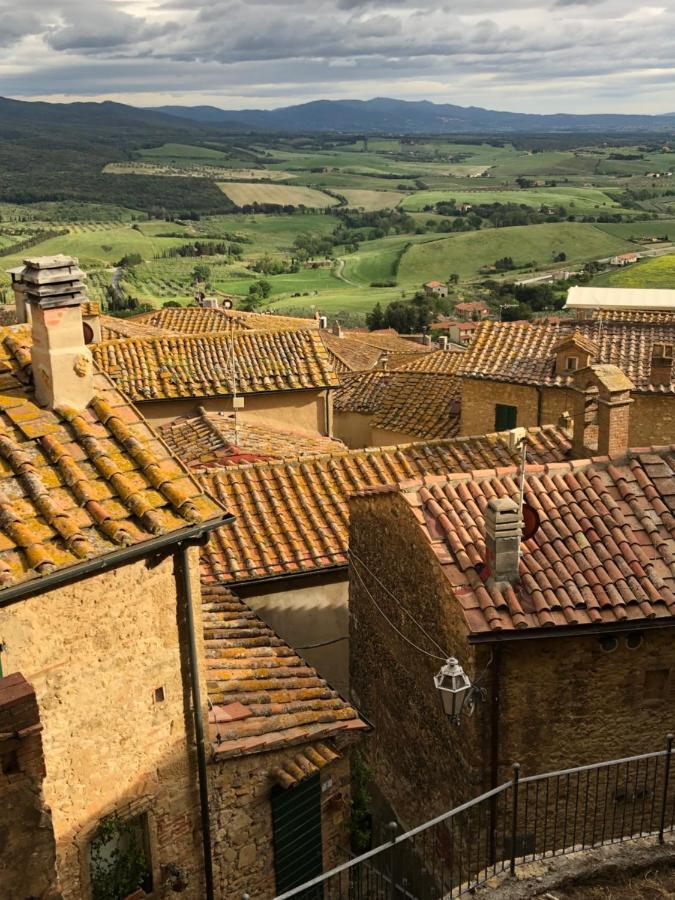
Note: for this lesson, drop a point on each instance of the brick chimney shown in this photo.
(503, 530)
(337, 328)
(613, 391)
(62, 363)
(384, 361)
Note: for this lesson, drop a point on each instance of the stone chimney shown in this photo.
(503, 530)
(19, 288)
(337, 328)
(62, 363)
(384, 361)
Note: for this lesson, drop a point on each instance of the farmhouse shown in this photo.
(575, 617)
(624, 259)
(98, 595)
(521, 373)
(436, 289)
(285, 554)
(473, 309)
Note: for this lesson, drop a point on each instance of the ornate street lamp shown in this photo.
(456, 690)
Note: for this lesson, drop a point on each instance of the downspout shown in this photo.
(184, 588)
(494, 746)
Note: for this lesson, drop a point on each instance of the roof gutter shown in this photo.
(533, 634)
(267, 579)
(192, 534)
(240, 393)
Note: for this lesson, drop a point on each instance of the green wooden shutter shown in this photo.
(505, 416)
(298, 847)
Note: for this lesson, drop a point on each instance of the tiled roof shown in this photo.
(79, 484)
(663, 317)
(349, 354)
(293, 517)
(113, 328)
(422, 404)
(263, 695)
(523, 352)
(209, 439)
(361, 392)
(201, 365)
(200, 320)
(390, 341)
(442, 362)
(603, 554)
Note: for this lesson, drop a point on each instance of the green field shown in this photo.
(467, 253)
(576, 200)
(650, 273)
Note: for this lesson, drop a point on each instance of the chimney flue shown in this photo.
(503, 531)
(62, 364)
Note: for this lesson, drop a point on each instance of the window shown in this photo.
(158, 694)
(662, 351)
(119, 858)
(609, 643)
(9, 763)
(505, 416)
(571, 363)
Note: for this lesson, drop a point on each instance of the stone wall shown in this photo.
(382, 437)
(421, 764)
(241, 820)
(652, 420)
(96, 652)
(565, 701)
(27, 849)
(479, 398)
(307, 410)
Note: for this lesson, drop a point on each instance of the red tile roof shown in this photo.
(361, 392)
(210, 439)
(442, 362)
(293, 517)
(603, 554)
(424, 405)
(524, 352)
(263, 695)
(200, 320)
(78, 484)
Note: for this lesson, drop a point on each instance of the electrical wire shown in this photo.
(391, 624)
(344, 637)
(398, 603)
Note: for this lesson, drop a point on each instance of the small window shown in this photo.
(662, 351)
(571, 363)
(119, 858)
(505, 417)
(9, 763)
(656, 682)
(609, 643)
(635, 641)
(158, 694)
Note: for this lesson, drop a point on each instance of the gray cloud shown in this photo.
(557, 55)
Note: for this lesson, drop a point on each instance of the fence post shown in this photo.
(666, 778)
(514, 816)
(393, 828)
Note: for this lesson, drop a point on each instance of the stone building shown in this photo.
(281, 740)
(419, 400)
(99, 602)
(286, 552)
(522, 374)
(566, 629)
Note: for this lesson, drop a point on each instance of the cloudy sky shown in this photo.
(521, 55)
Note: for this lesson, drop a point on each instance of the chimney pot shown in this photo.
(62, 364)
(503, 530)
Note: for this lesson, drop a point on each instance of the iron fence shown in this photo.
(524, 819)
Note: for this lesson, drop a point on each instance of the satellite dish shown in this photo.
(531, 521)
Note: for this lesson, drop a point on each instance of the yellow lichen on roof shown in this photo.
(211, 365)
(200, 320)
(263, 695)
(421, 404)
(77, 484)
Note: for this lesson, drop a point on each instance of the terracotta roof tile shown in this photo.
(440, 362)
(208, 439)
(361, 351)
(199, 320)
(361, 392)
(601, 554)
(201, 365)
(77, 484)
(524, 352)
(279, 698)
(293, 516)
(423, 404)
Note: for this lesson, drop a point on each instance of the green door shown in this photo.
(296, 825)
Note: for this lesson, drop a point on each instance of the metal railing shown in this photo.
(522, 820)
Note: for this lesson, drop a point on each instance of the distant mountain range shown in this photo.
(383, 115)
